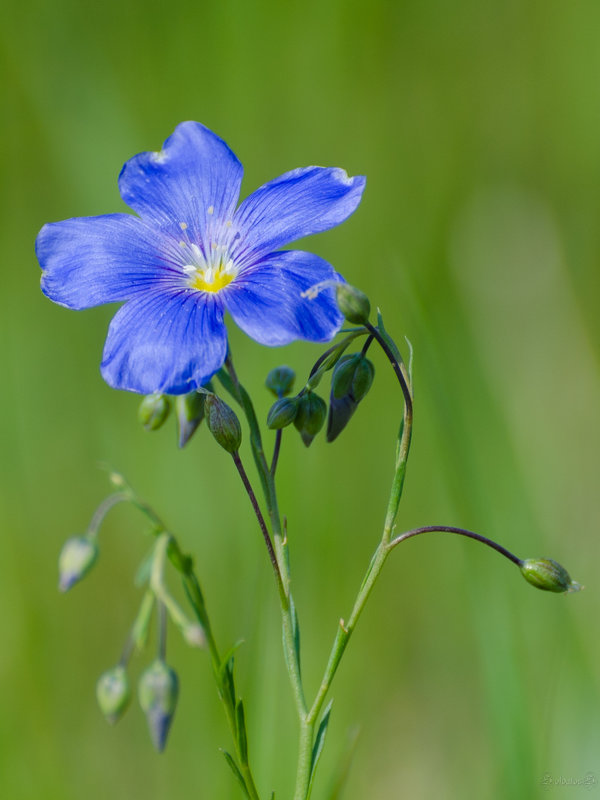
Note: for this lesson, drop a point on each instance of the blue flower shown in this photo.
(191, 255)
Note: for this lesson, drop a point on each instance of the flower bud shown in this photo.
(158, 691)
(113, 693)
(351, 380)
(190, 413)
(153, 411)
(547, 574)
(223, 423)
(282, 413)
(353, 303)
(280, 381)
(310, 416)
(76, 559)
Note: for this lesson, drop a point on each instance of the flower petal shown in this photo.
(298, 203)
(170, 342)
(92, 260)
(195, 180)
(266, 300)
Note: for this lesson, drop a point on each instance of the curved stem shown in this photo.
(400, 374)
(105, 506)
(461, 532)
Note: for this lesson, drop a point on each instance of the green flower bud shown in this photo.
(113, 693)
(158, 691)
(223, 423)
(76, 559)
(547, 574)
(353, 303)
(190, 413)
(362, 380)
(351, 380)
(280, 381)
(282, 413)
(153, 411)
(310, 416)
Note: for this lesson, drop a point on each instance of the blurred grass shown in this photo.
(477, 125)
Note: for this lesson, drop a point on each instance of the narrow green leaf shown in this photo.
(236, 771)
(226, 682)
(410, 360)
(319, 743)
(242, 738)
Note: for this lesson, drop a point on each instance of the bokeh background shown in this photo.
(478, 126)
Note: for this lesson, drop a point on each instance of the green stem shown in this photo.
(345, 629)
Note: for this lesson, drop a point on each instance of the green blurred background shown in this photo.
(478, 126)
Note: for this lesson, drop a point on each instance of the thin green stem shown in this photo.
(461, 532)
(346, 628)
(105, 506)
(261, 520)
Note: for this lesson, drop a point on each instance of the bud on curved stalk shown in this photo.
(190, 413)
(353, 303)
(310, 416)
(158, 691)
(280, 380)
(223, 423)
(77, 557)
(351, 380)
(113, 693)
(282, 413)
(153, 411)
(549, 575)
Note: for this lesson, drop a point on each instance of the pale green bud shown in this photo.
(153, 411)
(547, 574)
(190, 413)
(76, 559)
(282, 413)
(158, 691)
(310, 416)
(353, 303)
(113, 693)
(223, 423)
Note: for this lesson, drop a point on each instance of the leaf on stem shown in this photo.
(236, 771)
(319, 743)
(242, 738)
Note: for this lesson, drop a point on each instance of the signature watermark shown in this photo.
(588, 781)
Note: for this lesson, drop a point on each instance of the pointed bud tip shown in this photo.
(223, 423)
(77, 557)
(548, 575)
(158, 691)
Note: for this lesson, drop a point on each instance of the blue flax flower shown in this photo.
(190, 255)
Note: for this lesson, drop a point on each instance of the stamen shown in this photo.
(183, 225)
(211, 209)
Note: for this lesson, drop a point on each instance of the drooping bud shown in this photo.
(351, 380)
(158, 691)
(280, 380)
(76, 559)
(190, 413)
(113, 693)
(549, 575)
(353, 303)
(282, 413)
(153, 411)
(223, 423)
(310, 416)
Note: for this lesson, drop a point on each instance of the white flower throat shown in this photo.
(210, 271)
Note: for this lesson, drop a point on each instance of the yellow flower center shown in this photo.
(211, 280)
